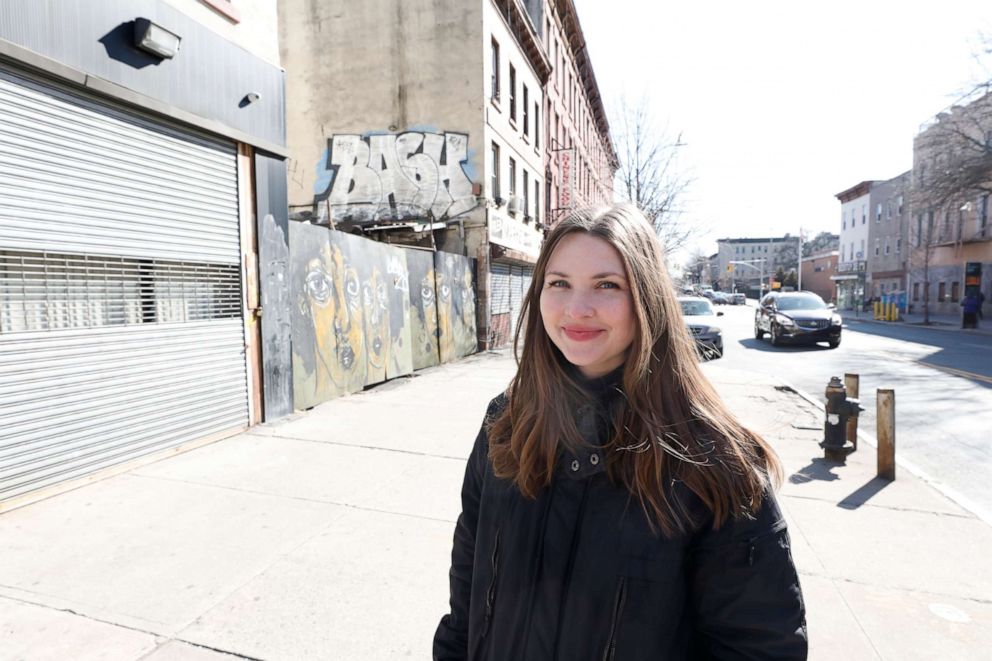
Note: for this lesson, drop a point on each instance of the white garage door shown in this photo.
(121, 330)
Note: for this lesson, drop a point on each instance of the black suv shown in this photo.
(797, 317)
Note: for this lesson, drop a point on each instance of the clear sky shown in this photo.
(781, 105)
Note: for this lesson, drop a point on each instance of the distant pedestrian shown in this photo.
(613, 507)
(971, 306)
(981, 304)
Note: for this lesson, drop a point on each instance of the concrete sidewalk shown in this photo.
(327, 536)
(944, 322)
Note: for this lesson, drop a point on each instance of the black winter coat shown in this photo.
(577, 574)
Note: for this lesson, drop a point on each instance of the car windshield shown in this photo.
(696, 307)
(807, 302)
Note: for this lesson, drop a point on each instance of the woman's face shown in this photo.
(586, 304)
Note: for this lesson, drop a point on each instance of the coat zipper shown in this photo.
(491, 592)
(571, 565)
(611, 643)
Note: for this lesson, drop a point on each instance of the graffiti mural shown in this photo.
(328, 332)
(364, 311)
(423, 309)
(394, 177)
(455, 305)
(398, 300)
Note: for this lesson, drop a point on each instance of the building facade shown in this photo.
(887, 234)
(949, 233)
(448, 140)
(747, 264)
(143, 226)
(818, 271)
(853, 279)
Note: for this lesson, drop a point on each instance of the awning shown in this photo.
(846, 276)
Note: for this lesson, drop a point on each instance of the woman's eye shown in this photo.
(609, 285)
(557, 284)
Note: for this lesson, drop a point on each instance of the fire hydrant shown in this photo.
(838, 409)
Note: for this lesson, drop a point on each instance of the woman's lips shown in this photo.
(582, 334)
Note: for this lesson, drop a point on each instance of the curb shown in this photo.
(948, 492)
(906, 324)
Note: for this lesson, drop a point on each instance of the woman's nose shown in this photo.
(579, 305)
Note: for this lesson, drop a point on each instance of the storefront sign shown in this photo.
(514, 235)
(567, 178)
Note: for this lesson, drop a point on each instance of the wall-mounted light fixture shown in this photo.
(155, 39)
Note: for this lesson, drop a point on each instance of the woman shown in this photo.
(613, 508)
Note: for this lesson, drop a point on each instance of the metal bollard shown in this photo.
(885, 431)
(852, 382)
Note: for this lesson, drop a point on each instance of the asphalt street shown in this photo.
(942, 380)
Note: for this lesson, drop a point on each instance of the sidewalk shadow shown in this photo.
(862, 495)
(818, 469)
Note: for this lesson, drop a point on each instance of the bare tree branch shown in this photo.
(649, 175)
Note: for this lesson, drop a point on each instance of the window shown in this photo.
(919, 229)
(537, 126)
(888, 210)
(864, 213)
(877, 247)
(862, 254)
(916, 291)
(537, 201)
(513, 94)
(955, 291)
(900, 205)
(983, 219)
(526, 102)
(887, 246)
(526, 187)
(898, 246)
(843, 223)
(878, 212)
(494, 93)
(494, 166)
(941, 292)
(513, 178)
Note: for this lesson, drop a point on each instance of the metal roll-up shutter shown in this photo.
(520, 277)
(499, 304)
(121, 329)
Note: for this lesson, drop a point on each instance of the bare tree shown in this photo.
(952, 177)
(649, 175)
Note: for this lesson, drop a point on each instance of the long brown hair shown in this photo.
(671, 425)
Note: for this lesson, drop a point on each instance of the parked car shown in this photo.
(738, 299)
(798, 318)
(720, 298)
(701, 320)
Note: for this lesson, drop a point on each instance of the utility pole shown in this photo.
(799, 284)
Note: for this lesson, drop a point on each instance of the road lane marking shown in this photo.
(956, 372)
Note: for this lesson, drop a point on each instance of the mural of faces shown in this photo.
(330, 294)
(375, 306)
(366, 312)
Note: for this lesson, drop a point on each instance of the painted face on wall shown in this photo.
(445, 315)
(586, 304)
(428, 304)
(375, 305)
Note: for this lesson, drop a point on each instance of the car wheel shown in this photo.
(758, 333)
(776, 341)
(833, 344)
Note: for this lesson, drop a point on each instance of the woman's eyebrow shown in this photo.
(594, 277)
